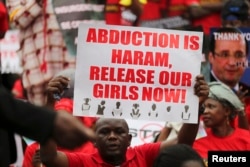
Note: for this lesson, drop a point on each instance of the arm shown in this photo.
(188, 132)
(24, 118)
(164, 134)
(36, 159)
(136, 7)
(242, 120)
(242, 116)
(29, 120)
(51, 157)
(205, 9)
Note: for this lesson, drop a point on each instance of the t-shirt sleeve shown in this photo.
(75, 159)
(150, 151)
(28, 155)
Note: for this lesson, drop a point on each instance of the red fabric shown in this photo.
(212, 20)
(207, 22)
(113, 12)
(28, 154)
(18, 89)
(3, 18)
(87, 148)
(237, 141)
(139, 156)
(65, 104)
(89, 121)
(151, 10)
(31, 149)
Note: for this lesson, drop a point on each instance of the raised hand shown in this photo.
(201, 88)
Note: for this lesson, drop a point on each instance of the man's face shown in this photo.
(226, 59)
(112, 139)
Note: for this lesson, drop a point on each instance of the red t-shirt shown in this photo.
(152, 10)
(113, 12)
(3, 19)
(138, 156)
(31, 149)
(239, 140)
(66, 104)
(28, 154)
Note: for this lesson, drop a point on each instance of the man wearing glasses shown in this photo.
(228, 57)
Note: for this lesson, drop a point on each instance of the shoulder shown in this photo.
(148, 147)
(83, 158)
(239, 131)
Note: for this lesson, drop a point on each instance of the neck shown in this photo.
(115, 161)
(223, 131)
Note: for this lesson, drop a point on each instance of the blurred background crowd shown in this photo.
(48, 39)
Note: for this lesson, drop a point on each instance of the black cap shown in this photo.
(235, 10)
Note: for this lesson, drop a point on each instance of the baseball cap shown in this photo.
(235, 10)
(220, 91)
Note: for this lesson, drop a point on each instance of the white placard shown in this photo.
(137, 73)
(10, 61)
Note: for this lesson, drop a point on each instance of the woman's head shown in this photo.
(222, 105)
(179, 155)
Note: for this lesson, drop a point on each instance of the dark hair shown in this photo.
(225, 30)
(176, 155)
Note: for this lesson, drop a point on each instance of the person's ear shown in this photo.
(227, 112)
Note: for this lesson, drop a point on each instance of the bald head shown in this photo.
(111, 121)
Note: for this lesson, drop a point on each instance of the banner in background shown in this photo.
(144, 131)
(10, 61)
(70, 13)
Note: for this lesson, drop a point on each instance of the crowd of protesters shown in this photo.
(48, 58)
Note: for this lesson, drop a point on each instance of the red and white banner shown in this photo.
(137, 73)
(10, 61)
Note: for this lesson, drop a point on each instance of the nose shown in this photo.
(112, 135)
(206, 111)
(232, 61)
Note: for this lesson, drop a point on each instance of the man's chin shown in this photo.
(230, 82)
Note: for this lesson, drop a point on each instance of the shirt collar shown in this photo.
(129, 156)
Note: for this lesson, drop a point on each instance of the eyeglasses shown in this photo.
(225, 55)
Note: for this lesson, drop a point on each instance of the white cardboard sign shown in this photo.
(137, 73)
